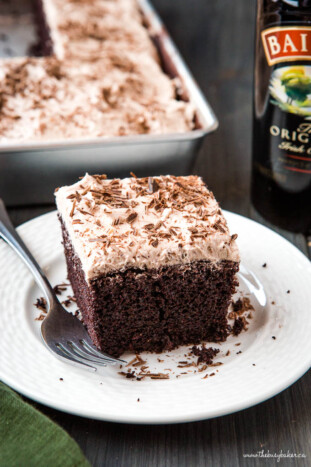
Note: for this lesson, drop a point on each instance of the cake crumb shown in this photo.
(241, 305)
(288, 291)
(239, 326)
(61, 379)
(205, 355)
(273, 337)
(264, 265)
(138, 400)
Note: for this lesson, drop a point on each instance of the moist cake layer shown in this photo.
(108, 82)
(153, 309)
(152, 223)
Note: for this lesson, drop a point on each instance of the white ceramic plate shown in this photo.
(263, 367)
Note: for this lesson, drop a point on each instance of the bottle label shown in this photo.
(287, 43)
(290, 91)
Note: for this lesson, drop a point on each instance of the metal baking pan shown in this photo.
(29, 172)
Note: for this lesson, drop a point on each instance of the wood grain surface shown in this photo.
(216, 40)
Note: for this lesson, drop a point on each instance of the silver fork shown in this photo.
(62, 332)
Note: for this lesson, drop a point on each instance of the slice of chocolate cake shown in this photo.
(151, 261)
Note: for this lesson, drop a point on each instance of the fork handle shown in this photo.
(9, 234)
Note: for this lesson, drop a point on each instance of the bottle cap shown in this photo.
(292, 2)
(299, 3)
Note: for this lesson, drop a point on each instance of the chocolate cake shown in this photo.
(151, 261)
(101, 77)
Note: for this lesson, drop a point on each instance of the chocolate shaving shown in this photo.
(68, 300)
(132, 217)
(149, 226)
(60, 288)
(41, 304)
(85, 212)
(40, 317)
(73, 208)
(129, 374)
(155, 375)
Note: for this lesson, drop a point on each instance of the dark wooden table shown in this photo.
(216, 39)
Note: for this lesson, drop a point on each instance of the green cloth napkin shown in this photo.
(29, 438)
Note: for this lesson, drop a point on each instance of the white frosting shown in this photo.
(94, 99)
(117, 230)
(108, 23)
(109, 80)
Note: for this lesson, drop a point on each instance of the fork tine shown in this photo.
(79, 351)
(92, 350)
(70, 348)
(61, 352)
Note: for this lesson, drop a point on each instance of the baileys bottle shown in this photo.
(281, 174)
